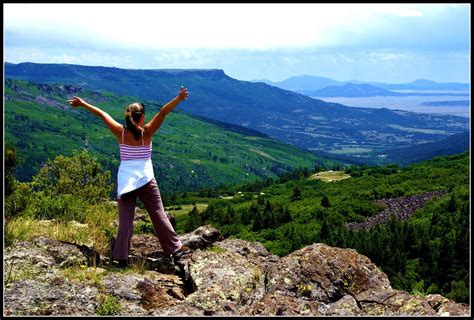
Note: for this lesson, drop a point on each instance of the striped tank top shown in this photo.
(128, 152)
(135, 168)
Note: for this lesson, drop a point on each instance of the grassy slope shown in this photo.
(188, 152)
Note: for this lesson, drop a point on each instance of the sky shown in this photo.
(394, 43)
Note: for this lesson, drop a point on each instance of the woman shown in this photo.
(135, 175)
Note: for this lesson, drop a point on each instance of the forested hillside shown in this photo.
(457, 143)
(188, 152)
(426, 252)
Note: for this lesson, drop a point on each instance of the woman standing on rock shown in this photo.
(136, 177)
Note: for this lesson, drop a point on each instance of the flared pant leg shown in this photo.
(150, 195)
(126, 206)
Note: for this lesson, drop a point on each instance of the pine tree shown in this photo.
(10, 162)
(325, 202)
(258, 222)
(324, 233)
(296, 194)
(194, 220)
(285, 216)
(268, 218)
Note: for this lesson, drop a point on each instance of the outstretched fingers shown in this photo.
(183, 93)
(75, 102)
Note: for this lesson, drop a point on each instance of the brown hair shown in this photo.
(133, 114)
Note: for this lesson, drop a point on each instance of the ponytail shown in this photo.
(132, 116)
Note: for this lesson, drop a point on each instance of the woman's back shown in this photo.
(127, 138)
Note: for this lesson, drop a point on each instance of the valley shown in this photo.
(296, 119)
(449, 105)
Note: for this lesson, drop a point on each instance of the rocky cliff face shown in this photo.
(227, 277)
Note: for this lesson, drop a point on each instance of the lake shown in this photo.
(412, 103)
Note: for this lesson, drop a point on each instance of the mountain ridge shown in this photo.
(454, 144)
(314, 83)
(294, 118)
(350, 90)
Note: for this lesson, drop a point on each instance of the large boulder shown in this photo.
(228, 277)
(146, 248)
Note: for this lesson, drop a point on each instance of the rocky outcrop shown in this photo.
(48, 94)
(228, 277)
(399, 208)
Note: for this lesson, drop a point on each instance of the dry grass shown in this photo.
(94, 233)
(81, 274)
(330, 176)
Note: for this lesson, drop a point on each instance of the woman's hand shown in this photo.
(76, 102)
(183, 94)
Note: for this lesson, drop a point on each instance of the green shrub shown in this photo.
(108, 305)
(144, 227)
(459, 291)
(63, 207)
(18, 200)
(80, 175)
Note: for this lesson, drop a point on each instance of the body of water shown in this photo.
(412, 103)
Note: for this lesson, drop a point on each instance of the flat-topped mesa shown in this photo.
(70, 70)
(216, 74)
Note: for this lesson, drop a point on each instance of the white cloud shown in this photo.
(249, 26)
(249, 41)
(380, 56)
(71, 56)
(185, 58)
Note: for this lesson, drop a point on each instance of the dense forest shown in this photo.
(426, 253)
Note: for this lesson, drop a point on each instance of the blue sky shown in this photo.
(368, 42)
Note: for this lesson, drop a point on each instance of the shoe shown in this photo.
(120, 263)
(105, 261)
(182, 251)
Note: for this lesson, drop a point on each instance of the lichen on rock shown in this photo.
(228, 277)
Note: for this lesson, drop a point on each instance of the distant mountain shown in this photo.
(189, 152)
(294, 118)
(264, 81)
(356, 90)
(306, 82)
(454, 144)
(422, 84)
(314, 83)
(349, 90)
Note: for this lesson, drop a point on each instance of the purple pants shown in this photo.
(149, 194)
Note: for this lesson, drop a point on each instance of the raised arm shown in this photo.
(113, 125)
(155, 123)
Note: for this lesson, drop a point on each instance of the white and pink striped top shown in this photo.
(135, 168)
(128, 152)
